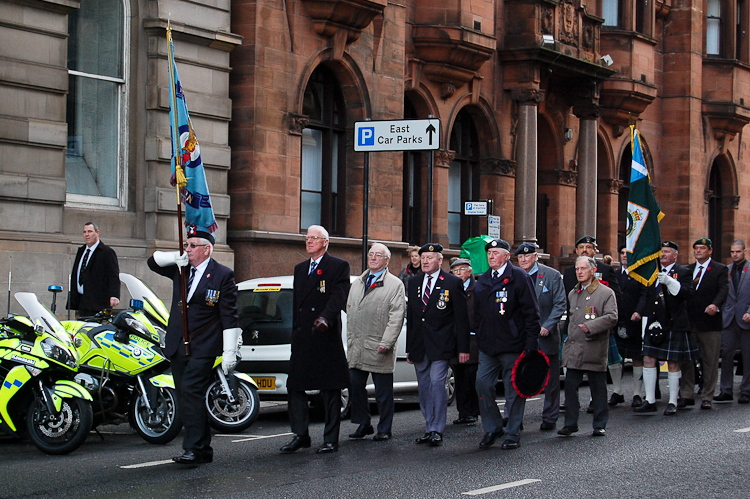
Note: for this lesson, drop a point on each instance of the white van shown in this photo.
(265, 313)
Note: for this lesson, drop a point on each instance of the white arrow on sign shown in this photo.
(399, 135)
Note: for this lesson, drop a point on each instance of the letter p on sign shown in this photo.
(366, 136)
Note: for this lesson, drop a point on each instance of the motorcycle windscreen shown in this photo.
(40, 314)
(151, 302)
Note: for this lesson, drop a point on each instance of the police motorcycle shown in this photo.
(37, 365)
(123, 367)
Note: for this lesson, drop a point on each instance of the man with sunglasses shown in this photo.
(213, 328)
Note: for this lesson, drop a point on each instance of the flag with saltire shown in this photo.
(187, 166)
(642, 230)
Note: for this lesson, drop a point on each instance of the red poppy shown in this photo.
(540, 276)
(208, 276)
(745, 269)
(709, 268)
(441, 278)
(319, 272)
(505, 281)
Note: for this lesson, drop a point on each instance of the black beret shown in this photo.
(531, 373)
(670, 244)
(526, 249)
(194, 231)
(704, 240)
(497, 243)
(586, 239)
(432, 247)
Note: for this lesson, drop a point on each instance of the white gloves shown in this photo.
(232, 342)
(672, 284)
(167, 258)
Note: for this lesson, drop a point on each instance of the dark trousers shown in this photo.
(598, 387)
(191, 379)
(733, 338)
(467, 400)
(551, 410)
(383, 396)
(299, 414)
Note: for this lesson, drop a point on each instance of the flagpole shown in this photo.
(178, 168)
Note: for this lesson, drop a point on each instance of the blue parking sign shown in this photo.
(366, 136)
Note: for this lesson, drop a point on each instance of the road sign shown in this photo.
(493, 226)
(475, 208)
(400, 135)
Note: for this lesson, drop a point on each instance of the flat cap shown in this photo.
(432, 247)
(586, 239)
(704, 240)
(670, 244)
(526, 249)
(461, 261)
(497, 243)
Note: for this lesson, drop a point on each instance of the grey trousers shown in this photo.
(433, 400)
(490, 368)
(732, 338)
(551, 410)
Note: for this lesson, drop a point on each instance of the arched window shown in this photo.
(323, 154)
(463, 178)
(95, 161)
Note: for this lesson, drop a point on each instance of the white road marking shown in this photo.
(494, 488)
(146, 465)
(261, 437)
(743, 430)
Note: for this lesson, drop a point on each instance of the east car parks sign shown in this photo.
(399, 135)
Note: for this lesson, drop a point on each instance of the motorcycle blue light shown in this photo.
(136, 304)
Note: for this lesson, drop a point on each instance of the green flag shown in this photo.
(643, 237)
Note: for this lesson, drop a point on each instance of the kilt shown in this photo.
(630, 347)
(676, 347)
(613, 355)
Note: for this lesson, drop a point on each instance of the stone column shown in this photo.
(526, 167)
(586, 193)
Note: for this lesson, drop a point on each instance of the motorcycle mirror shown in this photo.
(77, 342)
(38, 329)
(122, 336)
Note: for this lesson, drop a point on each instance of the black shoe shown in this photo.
(547, 426)
(671, 410)
(723, 397)
(616, 398)
(297, 443)
(423, 439)
(744, 399)
(637, 401)
(379, 437)
(684, 403)
(510, 445)
(567, 431)
(645, 407)
(706, 404)
(328, 448)
(466, 420)
(490, 438)
(436, 439)
(362, 431)
(190, 457)
(598, 432)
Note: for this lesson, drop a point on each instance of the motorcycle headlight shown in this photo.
(138, 326)
(58, 353)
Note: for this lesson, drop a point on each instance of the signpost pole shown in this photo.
(365, 208)
(430, 171)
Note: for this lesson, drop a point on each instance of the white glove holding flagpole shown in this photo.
(672, 284)
(232, 342)
(167, 258)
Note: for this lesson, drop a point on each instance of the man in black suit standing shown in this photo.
(318, 361)
(95, 282)
(213, 329)
(467, 400)
(711, 281)
(437, 327)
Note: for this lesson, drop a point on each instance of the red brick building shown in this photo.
(535, 99)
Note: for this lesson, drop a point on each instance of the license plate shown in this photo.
(265, 383)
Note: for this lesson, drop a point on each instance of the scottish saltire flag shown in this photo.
(642, 232)
(188, 172)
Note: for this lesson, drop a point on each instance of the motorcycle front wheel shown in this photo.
(227, 417)
(163, 424)
(61, 433)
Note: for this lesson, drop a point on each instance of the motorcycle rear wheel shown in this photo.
(62, 433)
(226, 417)
(161, 426)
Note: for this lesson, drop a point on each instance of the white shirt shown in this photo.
(197, 277)
(499, 271)
(317, 262)
(80, 264)
(432, 282)
(698, 267)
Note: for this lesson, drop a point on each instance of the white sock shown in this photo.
(638, 381)
(649, 383)
(674, 386)
(615, 370)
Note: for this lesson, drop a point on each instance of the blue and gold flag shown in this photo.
(643, 235)
(187, 165)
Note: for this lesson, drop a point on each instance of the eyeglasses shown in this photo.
(460, 269)
(192, 245)
(313, 238)
(376, 255)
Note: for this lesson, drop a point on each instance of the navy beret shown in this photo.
(194, 231)
(670, 244)
(432, 247)
(526, 249)
(497, 243)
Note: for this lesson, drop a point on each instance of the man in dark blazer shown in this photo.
(95, 279)
(213, 330)
(467, 400)
(550, 293)
(711, 282)
(437, 327)
(667, 308)
(507, 313)
(736, 332)
(318, 361)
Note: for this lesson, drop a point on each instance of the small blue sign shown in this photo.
(366, 136)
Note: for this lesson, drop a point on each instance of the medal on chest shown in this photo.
(322, 286)
(501, 296)
(212, 297)
(443, 298)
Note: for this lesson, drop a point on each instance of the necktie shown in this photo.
(190, 280)
(312, 267)
(697, 278)
(426, 294)
(85, 262)
(494, 275)
(369, 282)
